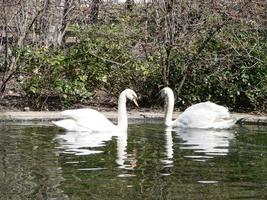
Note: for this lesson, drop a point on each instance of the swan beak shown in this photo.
(135, 102)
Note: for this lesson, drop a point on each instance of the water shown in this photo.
(42, 162)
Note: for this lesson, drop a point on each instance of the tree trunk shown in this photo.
(94, 11)
(54, 16)
(129, 5)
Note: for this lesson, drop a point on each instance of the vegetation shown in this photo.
(204, 51)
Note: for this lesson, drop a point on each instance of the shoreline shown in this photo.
(134, 116)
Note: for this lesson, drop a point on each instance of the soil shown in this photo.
(14, 99)
(20, 102)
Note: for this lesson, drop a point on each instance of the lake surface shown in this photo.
(149, 162)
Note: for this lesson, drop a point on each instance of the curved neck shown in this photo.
(122, 112)
(168, 108)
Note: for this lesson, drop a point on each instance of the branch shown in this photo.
(4, 82)
(193, 59)
(108, 60)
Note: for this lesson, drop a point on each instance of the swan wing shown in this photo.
(70, 125)
(84, 113)
(220, 112)
(205, 115)
(209, 107)
(199, 119)
(89, 119)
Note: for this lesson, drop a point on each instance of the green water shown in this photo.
(42, 162)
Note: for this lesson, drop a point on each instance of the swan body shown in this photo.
(90, 120)
(203, 115)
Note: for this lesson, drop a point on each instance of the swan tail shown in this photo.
(225, 124)
(240, 120)
(66, 124)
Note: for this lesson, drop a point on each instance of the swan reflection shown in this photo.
(205, 143)
(84, 143)
(168, 147)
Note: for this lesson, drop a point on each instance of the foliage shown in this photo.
(56, 73)
(101, 59)
(118, 53)
(232, 71)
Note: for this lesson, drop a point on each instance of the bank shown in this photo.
(134, 116)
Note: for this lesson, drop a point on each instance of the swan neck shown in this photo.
(169, 105)
(122, 112)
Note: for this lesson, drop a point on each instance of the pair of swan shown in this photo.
(203, 115)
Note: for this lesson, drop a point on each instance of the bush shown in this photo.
(232, 69)
(101, 59)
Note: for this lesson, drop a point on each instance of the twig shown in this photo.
(108, 60)
(211, 34)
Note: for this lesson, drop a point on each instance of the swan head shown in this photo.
(130, 94)
(165, 92)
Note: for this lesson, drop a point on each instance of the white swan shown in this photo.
(90, 120)
(203, 115)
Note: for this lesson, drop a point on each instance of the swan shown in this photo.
(90, 120)
(204, 115)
